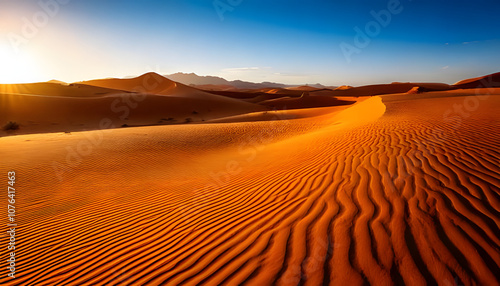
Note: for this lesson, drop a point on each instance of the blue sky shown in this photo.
(293, 42)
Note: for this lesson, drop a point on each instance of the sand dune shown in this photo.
(153, 83)
(285, 114)
(342, 91)
(256, 96)
(343, 87)
(303, 88)
(57, 89)
(284, 91)
(262, 95)
(396, 87)
(305, 101)
(146, 100)
(167, 87)
(492, 80)
(150, 82)
(150, 99)
(58, 82)
(219, 87)
(66, 114)
(393, 190)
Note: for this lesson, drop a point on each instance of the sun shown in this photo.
(18, 67)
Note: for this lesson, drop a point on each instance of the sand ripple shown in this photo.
(408, 198)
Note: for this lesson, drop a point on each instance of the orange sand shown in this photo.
(393, 190)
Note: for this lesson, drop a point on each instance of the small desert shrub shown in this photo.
(189, 120)
(11, 126)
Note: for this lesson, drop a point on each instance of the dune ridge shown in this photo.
(491, 80)
(146, 100)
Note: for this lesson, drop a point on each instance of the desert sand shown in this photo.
(386, 190)
(146, 100)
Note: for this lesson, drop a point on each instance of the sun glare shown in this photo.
(17, 67)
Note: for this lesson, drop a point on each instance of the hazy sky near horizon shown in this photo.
(331, 42)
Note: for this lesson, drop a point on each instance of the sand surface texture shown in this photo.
(393, 190)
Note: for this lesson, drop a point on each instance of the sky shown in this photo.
(333, 42)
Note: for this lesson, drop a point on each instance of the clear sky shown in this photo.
(331, 42)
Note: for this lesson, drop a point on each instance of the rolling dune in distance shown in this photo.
(492, 80)
(394, 189)
(146, 100)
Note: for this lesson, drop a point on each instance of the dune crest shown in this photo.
(487, 81)
(150, 82)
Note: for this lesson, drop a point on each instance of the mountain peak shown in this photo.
(194, 79)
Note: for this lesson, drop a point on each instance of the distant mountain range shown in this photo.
(207, 81)
(219, 83)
